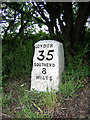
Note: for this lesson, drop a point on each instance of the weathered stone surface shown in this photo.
(48, 65)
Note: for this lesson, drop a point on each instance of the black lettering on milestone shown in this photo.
(34, 64)
(43, 77)
(41, 55)
(50, 55)
(53, 65)
(37, 46)
(44, 64)
(37, 77)
(39, 64)
(49, 64)
(51, 45)
(50, 78)
(41, 45)
(44, 71)
(44, 45)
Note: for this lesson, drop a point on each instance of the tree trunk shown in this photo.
(79, 24)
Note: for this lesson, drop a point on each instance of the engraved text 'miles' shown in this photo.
(48, 65)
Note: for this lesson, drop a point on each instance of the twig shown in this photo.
(37, 107)
(6, 116)
(63, 108)
(27, 91)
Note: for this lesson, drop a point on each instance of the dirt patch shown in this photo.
(76, 107)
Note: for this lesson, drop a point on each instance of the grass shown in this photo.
(23, 103)
(37, 105)
(44, 104)
(33, 104)
(18, 61)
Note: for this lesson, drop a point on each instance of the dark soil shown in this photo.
(75, 107)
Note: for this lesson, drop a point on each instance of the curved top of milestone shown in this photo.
(49, 41)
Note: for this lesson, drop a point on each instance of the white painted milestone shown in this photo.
(48, 65)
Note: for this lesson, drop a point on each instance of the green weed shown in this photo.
(29, 106)
(50, 99)
(74, 77)
(18, 61)
(6, 99)
(38, 104)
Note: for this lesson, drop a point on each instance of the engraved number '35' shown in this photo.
(49, 55)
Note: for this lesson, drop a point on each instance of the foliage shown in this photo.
(6, 99)
(18, 50)
(73, 80)
(19, 59)
(26, 107)
(75, 75)
(69, 18)
(35, 104)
